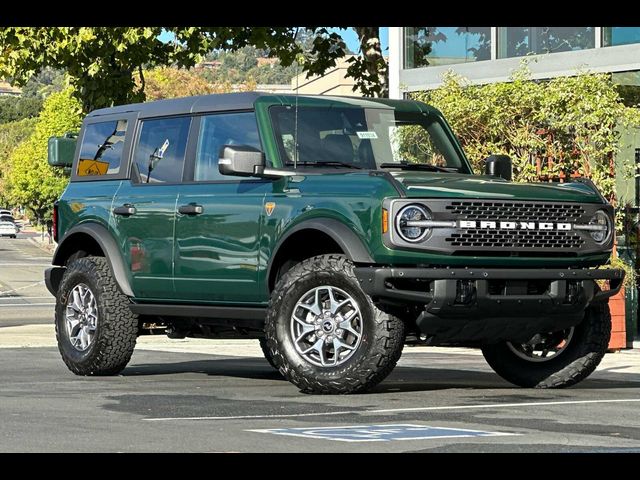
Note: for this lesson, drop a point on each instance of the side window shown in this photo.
(101, 150)
(219, 130)
(159, 154)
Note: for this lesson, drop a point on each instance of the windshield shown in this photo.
(368, 138)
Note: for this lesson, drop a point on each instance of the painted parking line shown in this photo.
(14, 305)
(399, 410)
(381, 433)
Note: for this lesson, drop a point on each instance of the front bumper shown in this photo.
(488, 304)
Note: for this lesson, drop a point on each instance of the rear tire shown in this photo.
(95, 328)
(361, 344)
(587, 345)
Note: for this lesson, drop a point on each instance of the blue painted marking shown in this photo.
(380, 433)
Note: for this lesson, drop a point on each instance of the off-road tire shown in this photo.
(266, 352)
(580, 358)
(117, 326)
(382, 337)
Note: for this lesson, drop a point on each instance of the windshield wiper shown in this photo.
(418, 166)
(332, 163)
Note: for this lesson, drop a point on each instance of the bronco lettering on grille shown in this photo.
(502, 225)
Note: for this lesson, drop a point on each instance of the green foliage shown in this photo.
(569, 120)
(18, 108)
(630, 277)
(170, 82)
(31, 182)
(104, 63)
(245, 64)
(11, 135)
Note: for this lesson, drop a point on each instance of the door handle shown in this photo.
(190, 209)
(125, 210)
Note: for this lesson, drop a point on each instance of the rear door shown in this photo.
(217, 233)
(144, 209)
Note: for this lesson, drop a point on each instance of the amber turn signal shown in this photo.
(385, 220)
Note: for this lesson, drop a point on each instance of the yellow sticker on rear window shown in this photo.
(88, 167)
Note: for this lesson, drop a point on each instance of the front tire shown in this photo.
(585, 345)
(266, 352)
(95, 329)
(324, 333)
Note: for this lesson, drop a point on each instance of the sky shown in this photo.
(349, 36)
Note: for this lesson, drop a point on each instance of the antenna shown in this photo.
(295, 127)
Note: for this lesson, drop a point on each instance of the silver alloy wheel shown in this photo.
(326, 326)
(543, 347)
(81, 317)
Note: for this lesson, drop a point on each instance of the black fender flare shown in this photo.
(107, 243)
(344, 236)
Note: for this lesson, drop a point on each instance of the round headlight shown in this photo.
(412, 213)
(601, 220)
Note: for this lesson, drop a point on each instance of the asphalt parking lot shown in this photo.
(221, 396)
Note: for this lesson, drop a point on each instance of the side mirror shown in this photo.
(60, 150)
(499, 166)
(241, 160)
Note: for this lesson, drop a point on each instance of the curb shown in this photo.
(45, 247)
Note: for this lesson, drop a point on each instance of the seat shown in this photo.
(338, 148)
(366, 159)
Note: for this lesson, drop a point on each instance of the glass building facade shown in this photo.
(612, 36)
(521, 41)
(426, 46)
(436, 46)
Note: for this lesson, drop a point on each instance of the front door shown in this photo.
(217, 225)
(144, 209)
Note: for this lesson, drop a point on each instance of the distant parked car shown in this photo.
(8, 229)
(7, 218)
(4, 211)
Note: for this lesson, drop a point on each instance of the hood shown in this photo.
(454, 185)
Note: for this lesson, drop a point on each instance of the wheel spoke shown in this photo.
(299, 320)
(306, 330)
(315, 308)
(335, 308)
(74, 327)
(77, 302)
(346, 325)
(350, 315)
(318, 348)
(337, 346)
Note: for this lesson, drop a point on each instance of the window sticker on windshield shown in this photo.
(367, 135)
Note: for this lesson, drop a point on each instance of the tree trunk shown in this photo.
(375, 65)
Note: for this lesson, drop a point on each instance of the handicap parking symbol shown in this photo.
(380, 433)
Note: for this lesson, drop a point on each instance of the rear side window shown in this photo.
(101, 150)
(219, 130)
(159, 154)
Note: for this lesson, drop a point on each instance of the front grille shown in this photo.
(515, 211)
(506, 211)
(515, 239)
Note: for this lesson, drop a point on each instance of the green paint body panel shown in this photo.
(222, 256)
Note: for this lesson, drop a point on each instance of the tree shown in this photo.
(17, 108)
(105, 64)
(30, 181)
(171, 82)
(11, 135)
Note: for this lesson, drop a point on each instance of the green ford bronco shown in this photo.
(333, 229)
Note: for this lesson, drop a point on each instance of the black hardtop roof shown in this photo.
(225, 101)
(176, 106)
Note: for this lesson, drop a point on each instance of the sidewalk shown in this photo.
(36, 237)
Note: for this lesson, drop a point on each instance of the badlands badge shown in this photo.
(268, 207)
